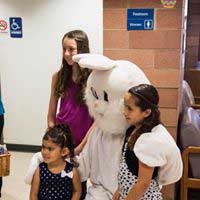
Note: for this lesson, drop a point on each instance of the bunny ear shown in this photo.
(94, 61)
(77, 57)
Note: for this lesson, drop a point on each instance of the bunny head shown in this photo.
(105, 89)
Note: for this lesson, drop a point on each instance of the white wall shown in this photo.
(27, 64)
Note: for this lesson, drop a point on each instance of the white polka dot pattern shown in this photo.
(126, 180)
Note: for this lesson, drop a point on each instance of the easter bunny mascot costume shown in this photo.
(106, 86)
(100, 158)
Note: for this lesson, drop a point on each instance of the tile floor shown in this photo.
(14, 187)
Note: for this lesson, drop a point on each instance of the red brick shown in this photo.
(168, 98)
(169, 117)
(116, 39)
(114, 19)
(143, 58)
(164, 78)
(173, 132)
(150, 4)
(167, 59)
(169, 18)
(155, 39)
(114, 3)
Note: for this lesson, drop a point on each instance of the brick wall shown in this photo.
(157, 52)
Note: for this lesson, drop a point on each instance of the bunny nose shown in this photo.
(99, 107)
(95, 104)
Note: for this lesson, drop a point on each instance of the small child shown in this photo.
(150, 156)
(56, 178)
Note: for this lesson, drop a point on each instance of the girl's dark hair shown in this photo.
(64, 75)
(61, 135)
(146, 97)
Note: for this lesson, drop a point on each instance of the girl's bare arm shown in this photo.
(80, 147)
(116, 195)
(52, 103)
(35, 185)
(76, 185)
(144, 178)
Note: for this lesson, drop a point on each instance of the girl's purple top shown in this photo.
(75, 115)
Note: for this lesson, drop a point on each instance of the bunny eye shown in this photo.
(94, 93)
(105, 96)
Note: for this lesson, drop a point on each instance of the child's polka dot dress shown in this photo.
(53, 186)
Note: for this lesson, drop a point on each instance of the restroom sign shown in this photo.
(15, 27)
(140, 19)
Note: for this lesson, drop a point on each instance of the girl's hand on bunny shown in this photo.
(78, 150)
(116, 195)
(51, 124)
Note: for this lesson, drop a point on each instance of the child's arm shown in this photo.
(80, 147)
(52, 103)
(116, 195)
(35, 185)
(144, 178)
(76, 185)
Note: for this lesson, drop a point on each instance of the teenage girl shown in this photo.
(150, 156)
(68, 85)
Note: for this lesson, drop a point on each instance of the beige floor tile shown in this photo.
(14, 187)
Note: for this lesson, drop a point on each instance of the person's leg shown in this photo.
(1, 133)
(84, 190)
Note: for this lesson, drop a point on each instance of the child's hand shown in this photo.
(116, 195)
(78, 150)
(51, 124)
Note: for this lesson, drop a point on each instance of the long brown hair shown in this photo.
(65, 73)
(146, 97)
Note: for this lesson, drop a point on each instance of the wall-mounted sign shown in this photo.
(15, 27)
(140, 19)
(168, 3)
(3, 26)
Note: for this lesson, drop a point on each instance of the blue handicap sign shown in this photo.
(15, 27)
(140, 19)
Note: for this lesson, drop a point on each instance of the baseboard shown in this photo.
(23, 147)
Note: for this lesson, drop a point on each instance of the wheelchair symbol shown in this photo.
(14, 25)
